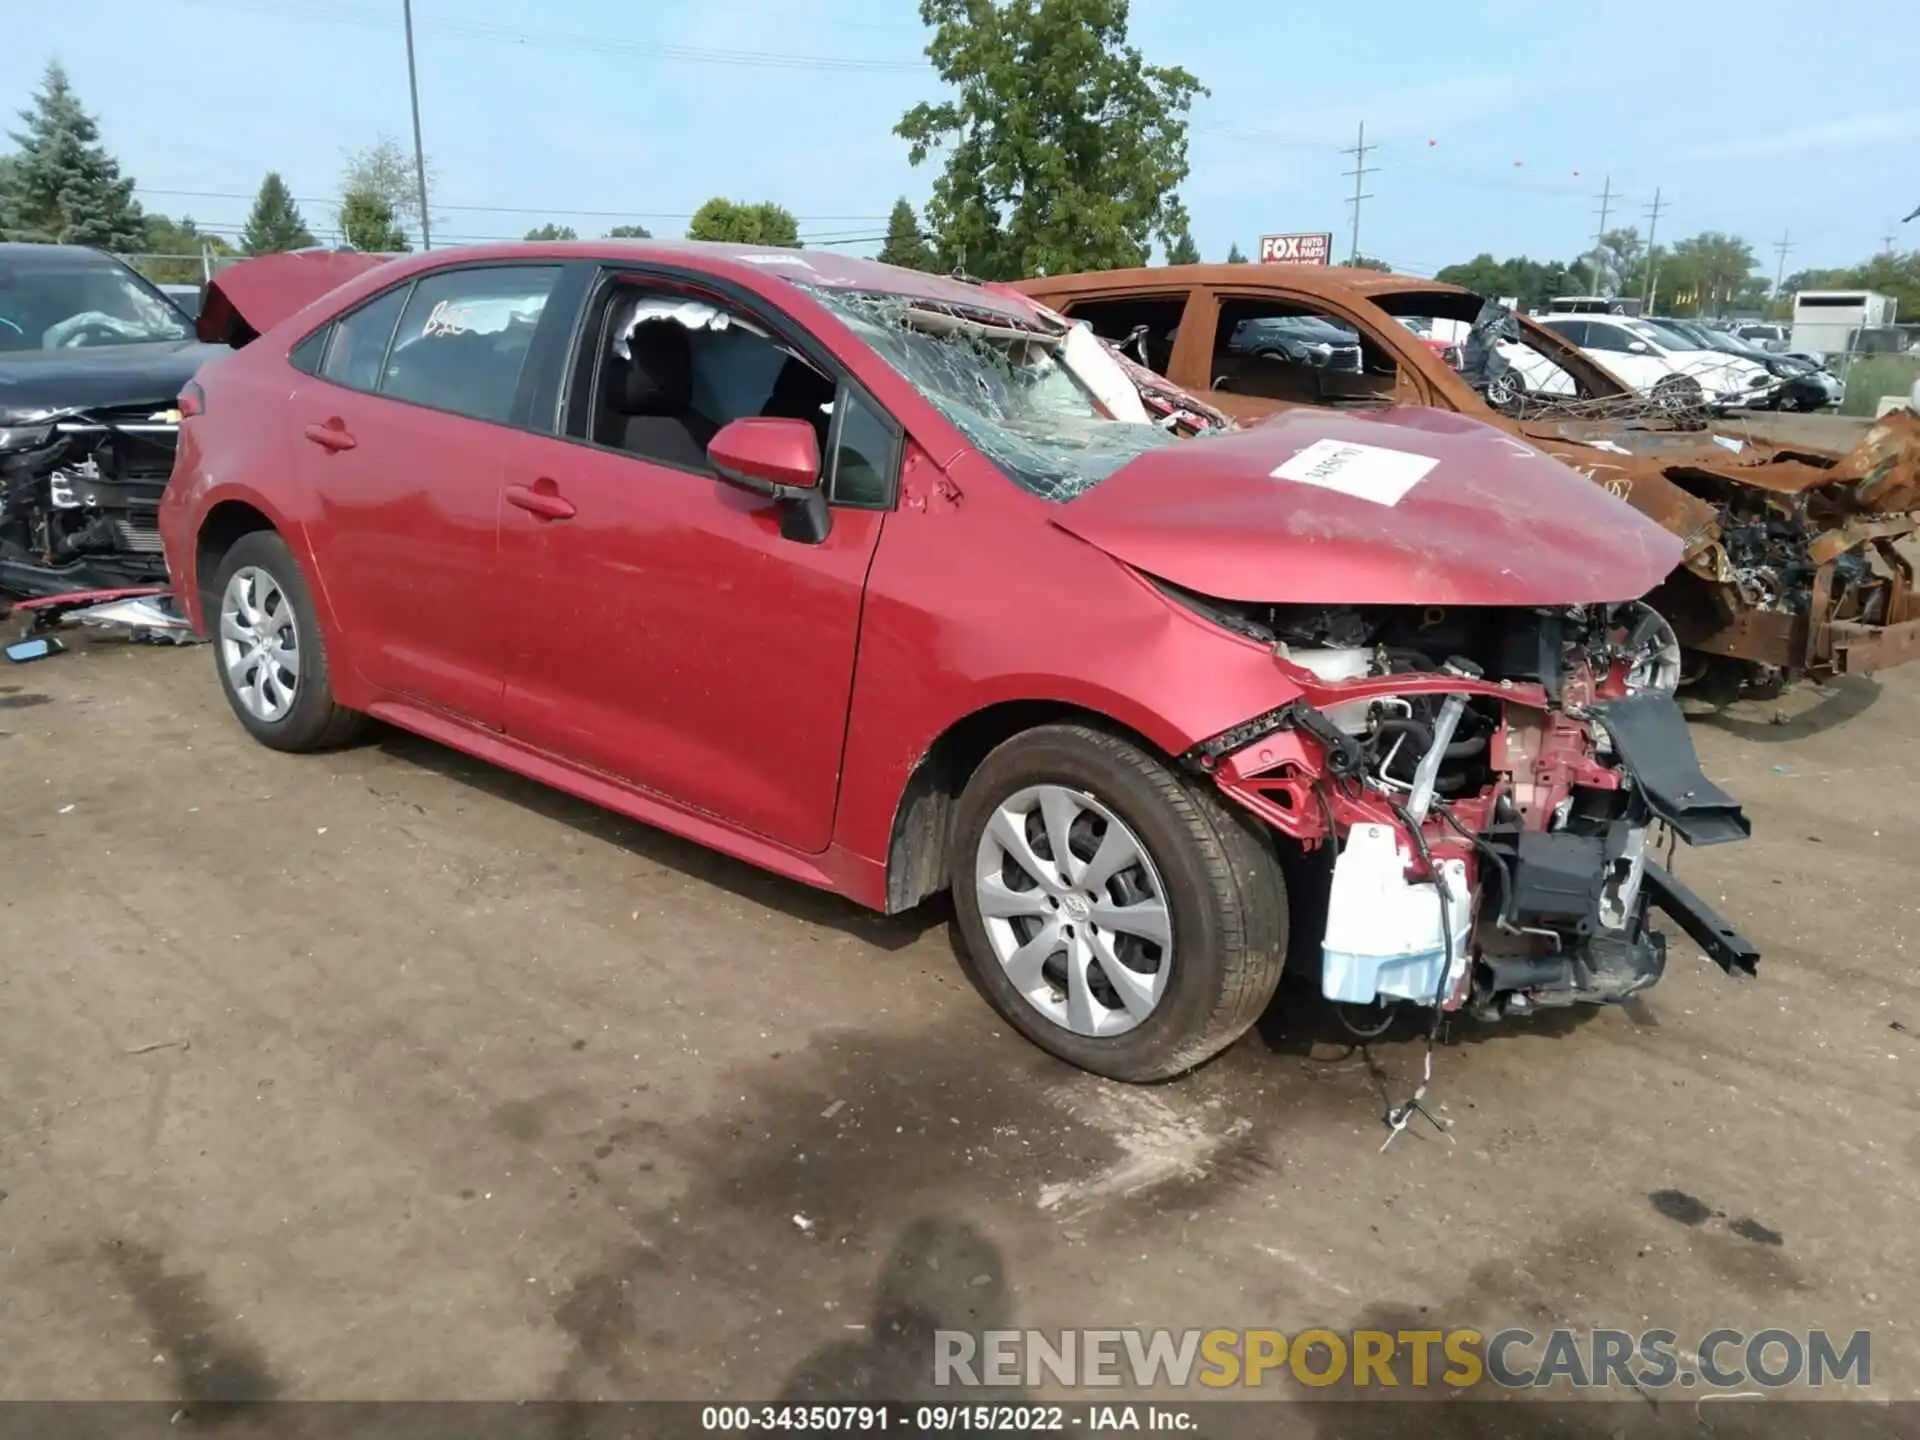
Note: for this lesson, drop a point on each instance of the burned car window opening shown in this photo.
(1004, 387)
(1143, 329)
(1296, 354)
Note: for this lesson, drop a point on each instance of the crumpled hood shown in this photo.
(1407, 506)
(90, 377)
(267, 289)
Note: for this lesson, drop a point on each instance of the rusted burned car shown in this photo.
(1789, 564)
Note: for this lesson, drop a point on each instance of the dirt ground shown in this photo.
(384, 1074)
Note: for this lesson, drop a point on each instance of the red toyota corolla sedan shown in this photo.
(888, 583)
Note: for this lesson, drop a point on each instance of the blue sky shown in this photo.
(1498, 121)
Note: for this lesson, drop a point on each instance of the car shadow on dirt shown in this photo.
(1778, 722)
(696, 862)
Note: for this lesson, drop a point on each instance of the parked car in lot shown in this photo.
(1767, 335)
(842, 570)
(1799, 384)
(92, 357)
(1791, 564)
(1651, 358)
(1299, 339)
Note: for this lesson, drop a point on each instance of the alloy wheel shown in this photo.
(1656, 665)
(1075, 910)
(260, 643)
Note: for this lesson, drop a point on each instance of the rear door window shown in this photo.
(463, 340)
(359, 345)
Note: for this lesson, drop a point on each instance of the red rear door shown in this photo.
(405, 439)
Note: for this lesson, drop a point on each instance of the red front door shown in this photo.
(668, 635)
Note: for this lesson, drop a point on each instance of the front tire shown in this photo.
(1154, 944)
(269, 652)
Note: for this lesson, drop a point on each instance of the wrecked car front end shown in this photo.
(1473, 729)
(1790, 565)
(80, 496)
(1491, 788)
(1793, 565)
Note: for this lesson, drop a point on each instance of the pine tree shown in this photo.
(629, 232)
(906, 245)
(367, 222)
(275, 223)
(551, 231)
(63, 187)
(1234, 257)
(1183, 251)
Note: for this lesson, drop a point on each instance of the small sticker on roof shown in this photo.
(1610, 447)
(1727, 442)
(1366, 472)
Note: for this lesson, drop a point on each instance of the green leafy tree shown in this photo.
(1183, 251)
(550, 231)
(366, 220)
(387, 172)
(1369, 262)
(906, 244)
(1064, 148)
(62, 186)
(173, 249)
(763, 224)
(629, 232)
(1622, 256)
(275, 222)
(1234, 257)
(1531, 282)
(1706, 274)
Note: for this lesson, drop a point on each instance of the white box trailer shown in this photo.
(1825, 321)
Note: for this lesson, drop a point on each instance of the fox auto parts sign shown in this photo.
(1296, 249)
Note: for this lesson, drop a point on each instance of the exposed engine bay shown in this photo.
(79, 499)
(1492, 786)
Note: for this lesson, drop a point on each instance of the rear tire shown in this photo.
(1215, 873)
(269, 653)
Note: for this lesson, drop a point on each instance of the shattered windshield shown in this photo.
(82, 305)
(1004, 388)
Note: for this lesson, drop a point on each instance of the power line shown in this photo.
(484, 209)
(1359, 172)
(1606, 198)
(1653, 228)
(1781, 247)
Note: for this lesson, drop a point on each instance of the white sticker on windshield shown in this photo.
(1366, 472)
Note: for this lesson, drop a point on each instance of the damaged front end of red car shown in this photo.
(1491, 786)
(1474, 729)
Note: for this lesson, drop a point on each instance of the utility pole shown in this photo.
(419, 155)
(1606, 198)
(1359, 173)
(1780, 248)
(1653, 228)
